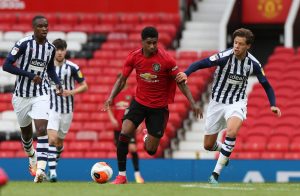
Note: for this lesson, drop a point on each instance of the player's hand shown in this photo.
(181, 76)
(59, 90)
(197, 110)
(276, 110)
(107, 105)
(37, 79)
(67, 93)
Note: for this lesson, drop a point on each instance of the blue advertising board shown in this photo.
(169, 170)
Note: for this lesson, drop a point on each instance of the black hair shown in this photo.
(242, 32)
(149, 32)
(36, 18)
(60, 44)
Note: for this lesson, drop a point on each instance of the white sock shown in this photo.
(122, 173)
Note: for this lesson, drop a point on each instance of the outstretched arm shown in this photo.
(118, 86)
(258, 71)
(186, 91)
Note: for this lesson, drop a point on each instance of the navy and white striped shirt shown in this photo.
(231, 76)
(68, 73)
(32, 59)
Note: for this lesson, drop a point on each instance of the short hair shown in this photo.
(36, 18)
(242, 32)
(149, 32)
(60, 44)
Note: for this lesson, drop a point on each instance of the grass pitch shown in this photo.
(15, 188)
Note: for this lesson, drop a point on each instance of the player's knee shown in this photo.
(41, 130)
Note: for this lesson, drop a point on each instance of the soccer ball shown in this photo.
(101, 172)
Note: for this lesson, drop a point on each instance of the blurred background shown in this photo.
(101, 33)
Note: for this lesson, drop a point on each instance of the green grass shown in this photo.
(166, 189)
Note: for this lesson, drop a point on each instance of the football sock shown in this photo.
(227, 148)
(217, 146)
(28, 147)
(122, 151)
(42, 151)
(52, 159)
(59, 150)
(135, 161)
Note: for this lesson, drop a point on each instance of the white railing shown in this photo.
(288, 27)
(223, 25)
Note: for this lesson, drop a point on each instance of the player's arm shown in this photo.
(14, 54)
(53, 76)
(82, 87)
(186, 91)
(120, 83)
(214, 60)
(258, 71)
(112, 118)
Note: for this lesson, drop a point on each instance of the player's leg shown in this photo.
(234, 115)
(40, 113)
(52, 129)
(135, 161)
(133, 117)
(156, 122)
(21, 107)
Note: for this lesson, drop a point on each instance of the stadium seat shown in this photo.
(92, 19)
(292, 155)
(68, 18)
(70, 154)
(129, 18)
(284, 50)
(95, 155)
(79, 145)
(87, 136)
(278, 143)
(53, 35)
(80, 37)
(245, 155)
(271, 155)
(255, 142)
(111, 19)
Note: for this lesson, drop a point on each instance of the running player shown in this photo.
(61, 113)
(34, 58)
(227, 108)
(155, 75)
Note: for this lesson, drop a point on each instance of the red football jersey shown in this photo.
(155, 77)
(120, 103)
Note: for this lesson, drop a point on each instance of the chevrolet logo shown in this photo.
(148, 76)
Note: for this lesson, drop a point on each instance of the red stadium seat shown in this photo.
(130, 18)
(92, 19)
(271, 155)
(255, 142)
(284, 50)
(103, 146)
(95, 155)
(7, 154)
(295, 143)
(11, 145)
(278, 143)
(70, 154)
(109, 19)
(68, 18)
(79, 145)
(292, 155)
(245, 155)
(151, 18)
(106, 136)
(104, 28)
(8, 18)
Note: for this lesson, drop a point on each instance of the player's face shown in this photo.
(240, 46)
(149, 45)
(41, 28)
(60, 55)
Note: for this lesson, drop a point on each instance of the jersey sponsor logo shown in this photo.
(37, 65)
(214, 57)
(14, 51)
(156, 67)
(149, 77)
(236, 79)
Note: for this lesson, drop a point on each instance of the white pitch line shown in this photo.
(216, 187)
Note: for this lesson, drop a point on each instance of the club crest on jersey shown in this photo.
(14, 51)
(156, 67)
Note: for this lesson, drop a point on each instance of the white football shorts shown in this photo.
(28, 108)
(60, 123)
(219, 113)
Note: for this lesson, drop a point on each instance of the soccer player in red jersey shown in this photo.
(155, 75)
(116, 113)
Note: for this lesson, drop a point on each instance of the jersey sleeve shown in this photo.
(174, 70)
(16, 51)
(128, 66)
(77, 74)
(219, 59)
